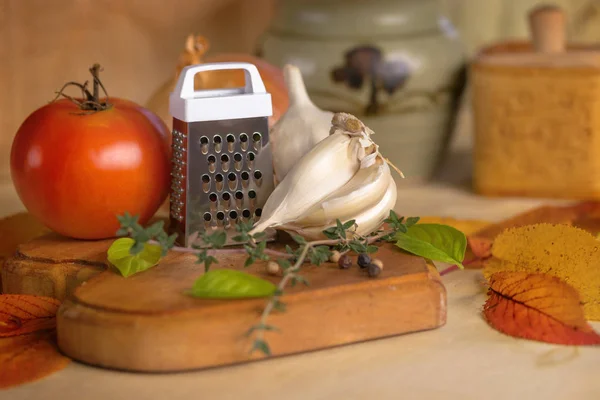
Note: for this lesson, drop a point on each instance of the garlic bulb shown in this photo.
(367, 221)
(301, 127)
(328, 167)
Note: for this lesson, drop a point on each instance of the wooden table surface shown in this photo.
(463, 360)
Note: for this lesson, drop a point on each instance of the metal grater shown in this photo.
(222, 170)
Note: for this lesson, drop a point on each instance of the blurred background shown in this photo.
(44, 44)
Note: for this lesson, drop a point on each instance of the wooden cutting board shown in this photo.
(146, 322)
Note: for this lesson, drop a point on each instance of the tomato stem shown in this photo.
(90, 102)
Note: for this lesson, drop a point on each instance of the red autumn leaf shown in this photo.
(537, 307)
(30, 357)
(20, 314)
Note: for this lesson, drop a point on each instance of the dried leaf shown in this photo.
(20, 314)
(537, 307)
(480, 241)
(564, 251)
(30, 357)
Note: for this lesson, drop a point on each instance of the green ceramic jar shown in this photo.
(396, 64)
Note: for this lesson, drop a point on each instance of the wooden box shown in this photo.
(536, 110)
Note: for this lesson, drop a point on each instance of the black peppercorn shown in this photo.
(373, 270)
(364, 260)
(345, 262)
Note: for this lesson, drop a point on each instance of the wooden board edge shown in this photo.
(193, 339)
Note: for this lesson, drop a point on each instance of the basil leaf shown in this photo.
(119, 255)
(230, 284)
(434, 241)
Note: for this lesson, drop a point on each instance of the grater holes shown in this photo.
(213, 200)
(258, 177)
(220, 219)
(258, 212)
(233, 216)
(245, 178)
(204, 144)
(246, 214)
(212, 161)
(217, 143)
(207, 220)
(239, 199)
(237, 161)
(256, 141)
(230, 142)
(226, 196)
(232, 181)
(244, 141)
(250, 157)
(219, 182)
(252, 198)
(205, 183)
(224, 162)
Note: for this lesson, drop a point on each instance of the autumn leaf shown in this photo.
(564, 251)
(537, 307)
(20, 314)
(479, 242)
(30, 357)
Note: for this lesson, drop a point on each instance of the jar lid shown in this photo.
(547, 48)
(357, 18)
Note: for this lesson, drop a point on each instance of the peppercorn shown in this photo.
(373, 270)
(335, 256)
(364, 260)
(345, 262)
(377, 262)
(272, 267)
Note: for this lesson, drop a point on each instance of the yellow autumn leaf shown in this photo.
(564, 251)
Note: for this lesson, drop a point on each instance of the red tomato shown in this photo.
(76, 172)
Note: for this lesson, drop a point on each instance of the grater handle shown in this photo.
(185, 84)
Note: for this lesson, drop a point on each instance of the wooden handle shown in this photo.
(547, 24)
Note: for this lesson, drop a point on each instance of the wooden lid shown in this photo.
(548, 46)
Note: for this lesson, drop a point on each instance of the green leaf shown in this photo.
(249, 261)
(434, 241)
(402, 228)
(299, 279)
(299, 239)
(208, 261)
(261, 327)
(357, 247)
(410, 221)
(349, 224)
(259, 235)
(372, 249)
(279, 306)
(119, 255)
(244, 237)
(217, 239)
(231, 284)
(318, 255)
(262, 346)
(284, 264)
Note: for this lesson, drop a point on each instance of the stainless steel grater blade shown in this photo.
(222, 169)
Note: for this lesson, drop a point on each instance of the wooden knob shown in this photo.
(548, 25)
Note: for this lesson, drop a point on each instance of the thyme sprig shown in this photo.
(342, 238)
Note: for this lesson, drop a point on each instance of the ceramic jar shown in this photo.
(396, 64)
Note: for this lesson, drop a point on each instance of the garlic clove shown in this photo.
(325, 169)
(363, 191)
(367, 221)
(301, 127)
